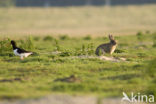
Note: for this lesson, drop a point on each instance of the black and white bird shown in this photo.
(20, 52)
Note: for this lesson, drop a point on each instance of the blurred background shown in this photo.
(46, 3)
(76, 17)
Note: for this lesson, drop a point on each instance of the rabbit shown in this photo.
(107, 47)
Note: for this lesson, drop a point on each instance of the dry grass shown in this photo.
(77, 20)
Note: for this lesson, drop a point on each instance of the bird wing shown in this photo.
(19, 50)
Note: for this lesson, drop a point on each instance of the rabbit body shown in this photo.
(107, 47)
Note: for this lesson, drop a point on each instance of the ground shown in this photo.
(69, 65)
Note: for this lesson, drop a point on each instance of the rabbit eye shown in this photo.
(114, 42)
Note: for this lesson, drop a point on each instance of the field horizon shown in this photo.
(78, 21)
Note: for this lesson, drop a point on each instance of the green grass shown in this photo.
(40, 74)
(59, 36)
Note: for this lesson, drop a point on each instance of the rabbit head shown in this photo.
(112, 41)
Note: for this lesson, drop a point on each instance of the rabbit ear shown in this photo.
(111, 37)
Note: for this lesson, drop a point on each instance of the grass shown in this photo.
(62, 38)
(49, 71)
(78, 21)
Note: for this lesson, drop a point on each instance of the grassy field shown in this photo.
(76, 21)
(65, 40)
(59, 66)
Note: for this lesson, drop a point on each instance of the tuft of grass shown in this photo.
(119, 51)
(36, 38)
(48, 38)
(140, 36)
(90, 49)
(87, 37)
(57, 46)
(154, 40)
(148, 32)
(28, 43)
(87, 49)
(80, 51)
(64, 37)
(5, 46)
(65, 54)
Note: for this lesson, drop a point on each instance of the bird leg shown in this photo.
(22, 58)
